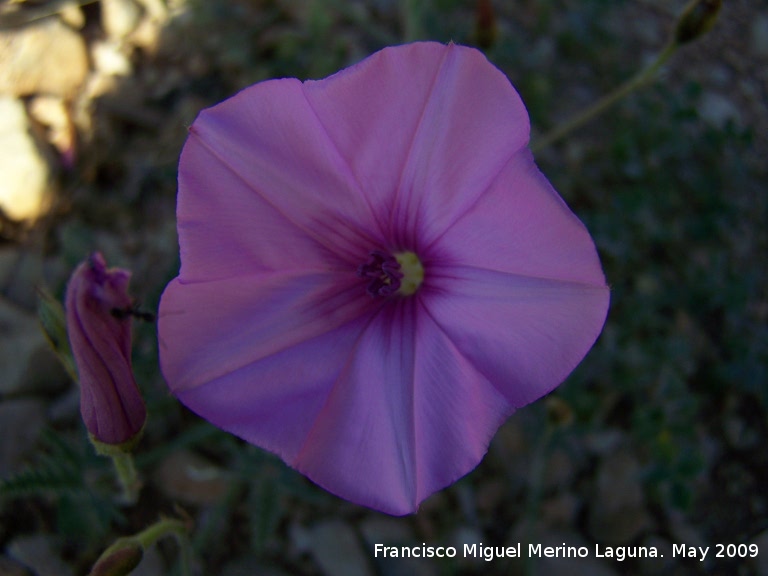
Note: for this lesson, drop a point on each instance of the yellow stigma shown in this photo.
(412, 270)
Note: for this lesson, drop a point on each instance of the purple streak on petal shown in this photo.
(225, 229)
(271, 155)
(522, 226)
(525, 335)
(209, 329)
(408, 415)
(273, 401)
(361, 445)
(430, 122)
(372, 110)
(457, 410)
(472, 124)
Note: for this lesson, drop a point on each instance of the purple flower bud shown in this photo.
(99, 328)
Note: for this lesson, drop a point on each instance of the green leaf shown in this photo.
(54, 324)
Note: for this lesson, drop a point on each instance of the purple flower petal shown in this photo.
(262, 168)
(228, 324)
(524, 334)
(374, 272)
(388, 434)
(425, 128)
(522, 226)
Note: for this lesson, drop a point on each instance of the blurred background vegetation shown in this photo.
(657, 438)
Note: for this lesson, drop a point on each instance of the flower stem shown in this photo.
(127, 475)
(170, 527)
(637, 81)
(160, 529)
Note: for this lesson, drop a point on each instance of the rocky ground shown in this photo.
(657, 438)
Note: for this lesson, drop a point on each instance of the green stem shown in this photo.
(170, 527)
(127, 475)
(637, 81)
(160, 529)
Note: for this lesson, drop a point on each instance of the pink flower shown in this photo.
(374, 273)
(99, 329)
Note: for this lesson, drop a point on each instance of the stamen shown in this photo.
(383, 270)
(399, 274)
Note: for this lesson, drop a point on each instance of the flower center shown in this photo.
(401, 273)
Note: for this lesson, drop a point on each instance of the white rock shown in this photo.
(26, 172)
(110, 60)
(119, 17)
(51, 112)
(47, 57)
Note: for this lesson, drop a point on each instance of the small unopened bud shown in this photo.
(697, 18)
(119, 559)
(100, 336)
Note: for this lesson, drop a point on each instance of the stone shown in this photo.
(21, 345)
(335, 547)
(618, 513)
(10, 567)
(52, 112)
(119, 17)
(110, 60)
(41, 553)
(26, 183)
(760, 561)
(46, 57)
(22, 421)
(190, 478)
(760, 35)
(587, 566)
(718, 110)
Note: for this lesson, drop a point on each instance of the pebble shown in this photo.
(718, 110)
(337, 550)
(190, 478)
(41, 553)
(760, 35)
(760, 561)
(618, 513)
(47, 57)
(22, 345)
(51, 112)
(21, 420)
(24, 164)
(588, 566)
(119, 17)
(10, 567)
(110, 60)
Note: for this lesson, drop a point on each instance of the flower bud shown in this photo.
(120, 559)
(697, 19)
(99, 329)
